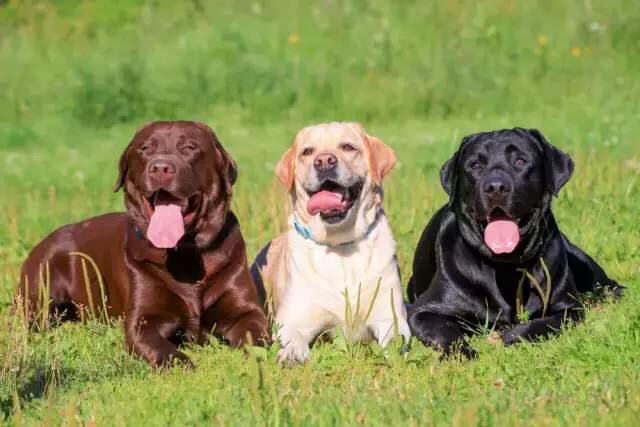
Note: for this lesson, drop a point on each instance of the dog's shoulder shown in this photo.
(441, 223)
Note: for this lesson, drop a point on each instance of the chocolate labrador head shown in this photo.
(177, 180)
(501, 184)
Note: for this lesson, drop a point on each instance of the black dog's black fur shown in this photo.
(256, 267)
(459, 285)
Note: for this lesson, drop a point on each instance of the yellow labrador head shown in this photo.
(333, 173)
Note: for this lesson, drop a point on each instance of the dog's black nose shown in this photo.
(497, 187)
(161, 170)
(325, 162)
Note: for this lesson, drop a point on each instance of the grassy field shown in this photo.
(78, 78)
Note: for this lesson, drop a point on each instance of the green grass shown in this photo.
(77, 80)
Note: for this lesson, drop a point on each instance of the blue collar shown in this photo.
(305, 232)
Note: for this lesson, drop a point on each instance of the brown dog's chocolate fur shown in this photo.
(166, 296)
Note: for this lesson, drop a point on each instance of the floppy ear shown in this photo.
(558, 166)
(284, 168)
(123, 167)
(381, 158)
(228, 167)
(448, 175)
(449, 171)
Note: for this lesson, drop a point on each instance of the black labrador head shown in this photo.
(500, 185)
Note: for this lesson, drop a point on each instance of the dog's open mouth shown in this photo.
(333, 201)
(502, 233)
(168, 216)
(188, 206)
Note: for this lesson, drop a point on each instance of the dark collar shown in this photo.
(140, 248)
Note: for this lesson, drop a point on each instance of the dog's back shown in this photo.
(424, 262)
(54, 268)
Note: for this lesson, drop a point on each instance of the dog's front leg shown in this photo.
(147, 337)
(442, 333)
(299, 323)
(248, 327)
(543, 327)
(388, 317)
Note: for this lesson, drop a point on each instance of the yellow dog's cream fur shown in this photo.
(309, 280)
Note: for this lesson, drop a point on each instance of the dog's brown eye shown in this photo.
(307, 151)
(188, 147)
(147, 148)
(520, 162)
(348, 147)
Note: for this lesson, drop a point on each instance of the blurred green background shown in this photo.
(102, 63)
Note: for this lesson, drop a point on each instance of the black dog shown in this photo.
(486, 257)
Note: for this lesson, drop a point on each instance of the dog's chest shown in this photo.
(350, 267)
(511, 290)
(337, 270)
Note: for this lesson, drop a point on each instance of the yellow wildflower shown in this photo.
(294, 39)
(576, 51)
(542, 40)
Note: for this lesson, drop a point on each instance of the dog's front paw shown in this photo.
(514, 335)
(293, 354)
(385, 332)
(167, 360)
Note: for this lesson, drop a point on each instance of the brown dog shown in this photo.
(174, 265)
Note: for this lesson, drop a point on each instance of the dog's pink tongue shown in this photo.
(324, 201)
(166, 226)
(502, 236)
